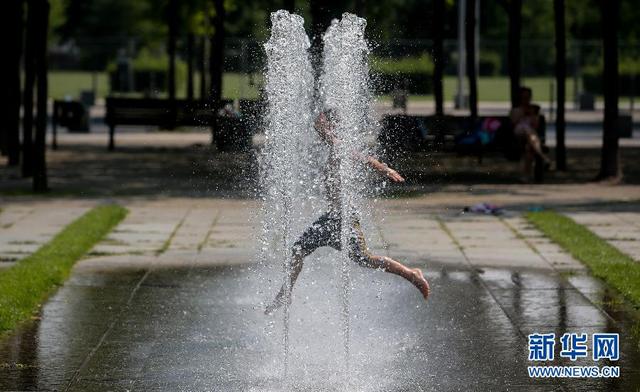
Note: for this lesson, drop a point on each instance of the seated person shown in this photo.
(525, 121)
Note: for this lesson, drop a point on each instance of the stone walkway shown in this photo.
(201, 230)
(620, 229)
(172, 300)
(26, 227)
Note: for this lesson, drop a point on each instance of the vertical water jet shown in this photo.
(297, 163)
(284, 178)
(344, 89)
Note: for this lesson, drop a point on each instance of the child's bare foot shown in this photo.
(421, 283)
(272, 307)
(276, 304)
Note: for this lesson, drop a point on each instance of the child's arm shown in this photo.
(378, 166)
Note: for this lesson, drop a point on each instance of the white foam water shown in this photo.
(284, 165)
(344, 89)
(293, 157)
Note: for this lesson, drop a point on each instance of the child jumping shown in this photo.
(327, 229)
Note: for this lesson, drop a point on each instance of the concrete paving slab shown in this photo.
(621, 230)
(24, 229)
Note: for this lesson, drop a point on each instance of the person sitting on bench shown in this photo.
(525, 121)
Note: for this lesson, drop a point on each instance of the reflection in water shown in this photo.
(18, 359)
(203, 329)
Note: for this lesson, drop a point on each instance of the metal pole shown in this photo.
(576, 71)
(438, 55)
(552, 88)
(477, 38)
(462, 63)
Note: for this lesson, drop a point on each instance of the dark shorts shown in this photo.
(326, 231)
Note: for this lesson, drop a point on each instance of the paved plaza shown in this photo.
(172, 299)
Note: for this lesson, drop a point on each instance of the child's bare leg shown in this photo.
(413, 275)
(320, 233)
(359, 253)
(296, 268)
(534, 141)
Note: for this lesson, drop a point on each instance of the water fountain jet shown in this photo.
(293, 154)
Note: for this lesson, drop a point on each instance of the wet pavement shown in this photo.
(173, 301)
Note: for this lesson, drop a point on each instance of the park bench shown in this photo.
(405, 133)
(231, 132)
(70, 114)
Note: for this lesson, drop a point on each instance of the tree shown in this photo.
(41, 27)
(29, 81)
(216, 59)
(12, 28)
(470, 42)
(438, 55)
(202, 66)
(172, 21)
(561, 70)
(190, 66)
(514, 9)
(100, 28)
(609, 166)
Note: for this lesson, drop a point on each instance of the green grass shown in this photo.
(24, 286)
(604, 260)
(236, 85)
(496, 89)
(69, 84)
(239, 85)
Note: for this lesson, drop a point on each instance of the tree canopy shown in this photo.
(102, 27)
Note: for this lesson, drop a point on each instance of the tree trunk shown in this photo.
(290, 5)
(470, 43)
(216, 60)
(40, 161)
(515, 24)
(561, 70)
(190, 44)
(438, 55)
(29, 81)
(10, 104)
(202, 66)
(609, 168)
(172, 21)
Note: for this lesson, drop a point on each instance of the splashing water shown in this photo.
(289, 88)
(344, 89)
(293, 156)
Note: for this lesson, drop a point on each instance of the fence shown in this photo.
(85, 65)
